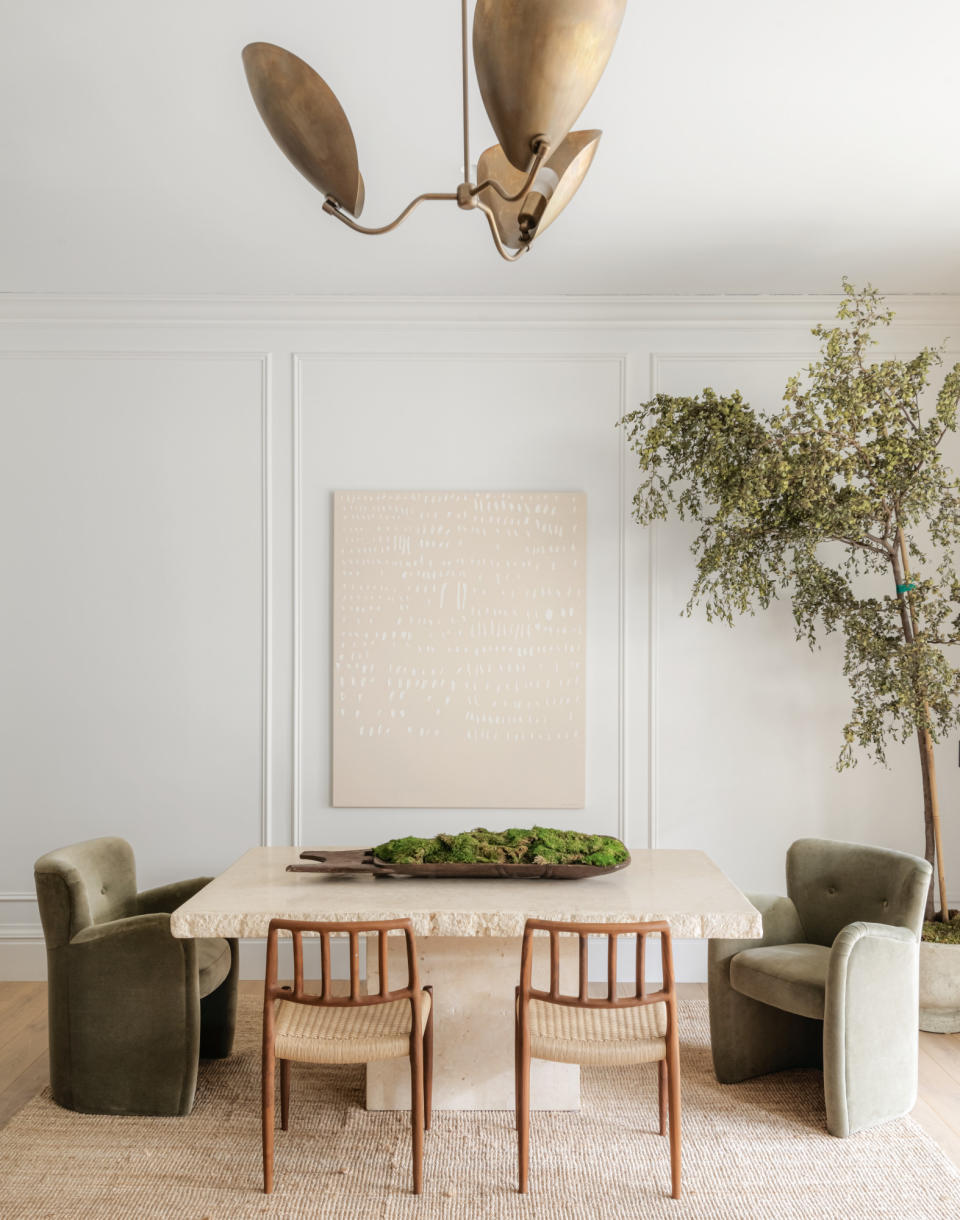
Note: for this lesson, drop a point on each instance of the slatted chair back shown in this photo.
(297, 994)
(613, 933)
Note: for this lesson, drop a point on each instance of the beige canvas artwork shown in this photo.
(459, 649)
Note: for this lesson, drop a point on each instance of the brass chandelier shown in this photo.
(537, 63)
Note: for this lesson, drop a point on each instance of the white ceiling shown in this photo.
(750, 146)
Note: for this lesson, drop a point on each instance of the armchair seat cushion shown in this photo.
(213, 963)
(789, 977)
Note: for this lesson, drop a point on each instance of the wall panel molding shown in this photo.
(300, 359)
(658, 362)
(263, 360)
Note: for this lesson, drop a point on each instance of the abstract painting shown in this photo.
(459, 649)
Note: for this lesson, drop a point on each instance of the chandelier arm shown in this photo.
(501, 248)
(332, 207)
(543, 151)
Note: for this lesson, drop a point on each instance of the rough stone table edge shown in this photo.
(735, 925)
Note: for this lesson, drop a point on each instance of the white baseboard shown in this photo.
(23, 957)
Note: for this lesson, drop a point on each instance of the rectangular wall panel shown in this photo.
(496, 423)
(131, 646)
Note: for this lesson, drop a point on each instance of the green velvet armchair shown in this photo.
(833, 982)
(131, 1008)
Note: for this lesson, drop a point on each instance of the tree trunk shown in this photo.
(929, 840)
(933, 845)
(926, 748)
(933, 848)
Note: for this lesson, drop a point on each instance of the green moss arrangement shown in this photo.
(519, 845)
(939, 933)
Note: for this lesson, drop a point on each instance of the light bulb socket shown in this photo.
(531, 213)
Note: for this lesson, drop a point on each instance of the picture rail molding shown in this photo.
(759, 312)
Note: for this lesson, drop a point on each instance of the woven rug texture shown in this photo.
(755, 1150)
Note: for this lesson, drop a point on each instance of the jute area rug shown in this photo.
(758, 1149)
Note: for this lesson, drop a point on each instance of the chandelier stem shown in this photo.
(331, 206)
(465, 85)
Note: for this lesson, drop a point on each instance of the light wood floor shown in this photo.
(24, 1068)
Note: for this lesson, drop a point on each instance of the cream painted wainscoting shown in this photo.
(167, 476)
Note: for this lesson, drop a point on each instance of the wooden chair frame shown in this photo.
(421, 1038)
(668, 1069)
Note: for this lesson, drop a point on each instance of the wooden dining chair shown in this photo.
(628, 1025)
(353, 1028)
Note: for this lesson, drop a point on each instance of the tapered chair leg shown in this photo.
(516, 1062)
(416, 1108)
(284, 1093)
(673, 1089)
(428, 1066)
(269, 1087)
(662, 1093)
(523, 1106)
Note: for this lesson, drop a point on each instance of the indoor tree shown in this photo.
(840, 500)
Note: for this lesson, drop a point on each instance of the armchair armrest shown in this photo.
(870, 1016)
(134, 1015)
(847, 938)
(863, 950)
(166, 898)
(126, 953)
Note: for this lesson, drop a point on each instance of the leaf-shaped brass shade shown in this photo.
(538, 63)
(303, 115)
(569, 163)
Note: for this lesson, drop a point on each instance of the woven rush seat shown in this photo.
(565, 1033)
(361, 1034)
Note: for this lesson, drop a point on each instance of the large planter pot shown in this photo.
(939, 988)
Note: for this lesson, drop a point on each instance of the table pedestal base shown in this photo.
(473, 978)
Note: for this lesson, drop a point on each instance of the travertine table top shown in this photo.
(683, 887)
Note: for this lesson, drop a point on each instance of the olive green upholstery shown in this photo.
(833, 982)
(791, 977)
(131, 1008)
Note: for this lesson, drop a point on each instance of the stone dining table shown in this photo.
(468, 934)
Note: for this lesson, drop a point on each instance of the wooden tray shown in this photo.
(362, 860)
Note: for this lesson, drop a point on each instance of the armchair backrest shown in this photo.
(88, 883)
(833, 884)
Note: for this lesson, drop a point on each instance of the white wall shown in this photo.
(165, 477)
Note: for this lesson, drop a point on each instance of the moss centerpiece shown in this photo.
(519, 845)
